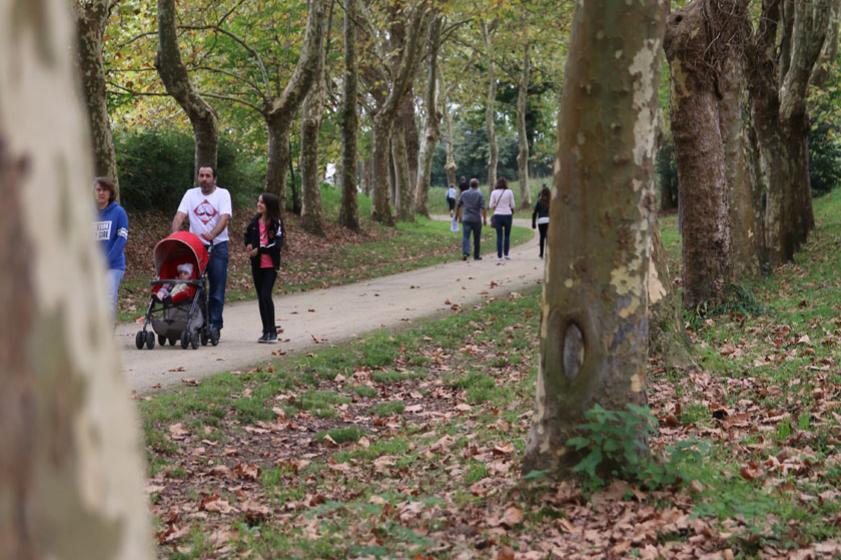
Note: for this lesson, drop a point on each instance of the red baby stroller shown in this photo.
(177, 308)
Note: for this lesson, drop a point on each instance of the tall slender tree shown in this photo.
(429, 140)
(349, 211)
(522, 133)
(488, 29)
(177, 82)
(594, 327)
(71, 474)
(91, 20)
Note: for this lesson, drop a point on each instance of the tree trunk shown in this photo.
(779, 70)
(594, 324)
(449, 167)
(431, 129)
(91, 20)
(349, 211)
(71, 469)
(174, 76)
(405, 191)
(522, 135)
(278, 157)
(380, 162)
(490, 109)
(667, 338)
(311, 212)
(280, 111)
(409, 124)
(699, 151)
(740, 186)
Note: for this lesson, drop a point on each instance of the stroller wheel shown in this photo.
(185, 340)
(194, 342)
(214, 336)
(161, 340)
(204, 338)
(173, 340)
(140, 339)
(150, 340)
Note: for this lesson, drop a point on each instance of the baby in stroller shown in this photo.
(177, 308)
(181, 291)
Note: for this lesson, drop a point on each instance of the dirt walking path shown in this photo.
(334, 315)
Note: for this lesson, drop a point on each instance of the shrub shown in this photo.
(156, 167)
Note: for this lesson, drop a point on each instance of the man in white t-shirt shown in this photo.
(208, 208)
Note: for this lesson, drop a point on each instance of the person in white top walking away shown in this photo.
(502, 204)
(208, 208)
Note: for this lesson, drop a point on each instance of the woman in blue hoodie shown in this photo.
(112, 234)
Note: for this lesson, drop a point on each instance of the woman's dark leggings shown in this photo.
(542, 228)
(503, 233)
(264, 279)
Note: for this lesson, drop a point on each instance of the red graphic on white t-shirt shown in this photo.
(205, 212)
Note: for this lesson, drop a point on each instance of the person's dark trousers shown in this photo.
(542, 228)
(503, 234)
(476, 228)
(217, 277)
(264, 279)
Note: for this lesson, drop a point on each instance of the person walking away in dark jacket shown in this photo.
(263, 241)
(463, 185)
(502, 204)
(471, 211)
(112, 234)
(540, 216)
(452, 194)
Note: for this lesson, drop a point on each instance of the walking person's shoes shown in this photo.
(464, 257)
(507, 258)
(476, 258)
(271, 337)
(263, 339)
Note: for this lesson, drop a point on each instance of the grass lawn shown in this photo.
(408, 444)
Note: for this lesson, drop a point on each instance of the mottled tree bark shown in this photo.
(409, 124)
(745, 244)
(490, 105)
(522, 135)
(594, 324)
(91, 20)
(780, 58)
(71, 471)
(429, 141)
(404, 186)
(699, 151)
(380, 163)
(349, 211)
(311, 213)
(280, 111)
(177, 82)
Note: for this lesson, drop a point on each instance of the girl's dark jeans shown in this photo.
(264, 279)
(542, 228)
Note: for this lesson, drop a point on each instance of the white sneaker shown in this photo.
(507, 258)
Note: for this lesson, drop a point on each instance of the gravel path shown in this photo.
(334, 315)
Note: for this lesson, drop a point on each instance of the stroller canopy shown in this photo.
(180, 247)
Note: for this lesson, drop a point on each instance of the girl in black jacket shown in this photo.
(540, 216)
(263, 241)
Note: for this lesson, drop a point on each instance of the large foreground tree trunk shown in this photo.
(349, 211)
(522, 133)
(71, 474)
(91, 20)
(594, 327)
(177, 82)
(280, 111)
(699, 151)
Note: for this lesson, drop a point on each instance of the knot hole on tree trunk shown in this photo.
(573, 350)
